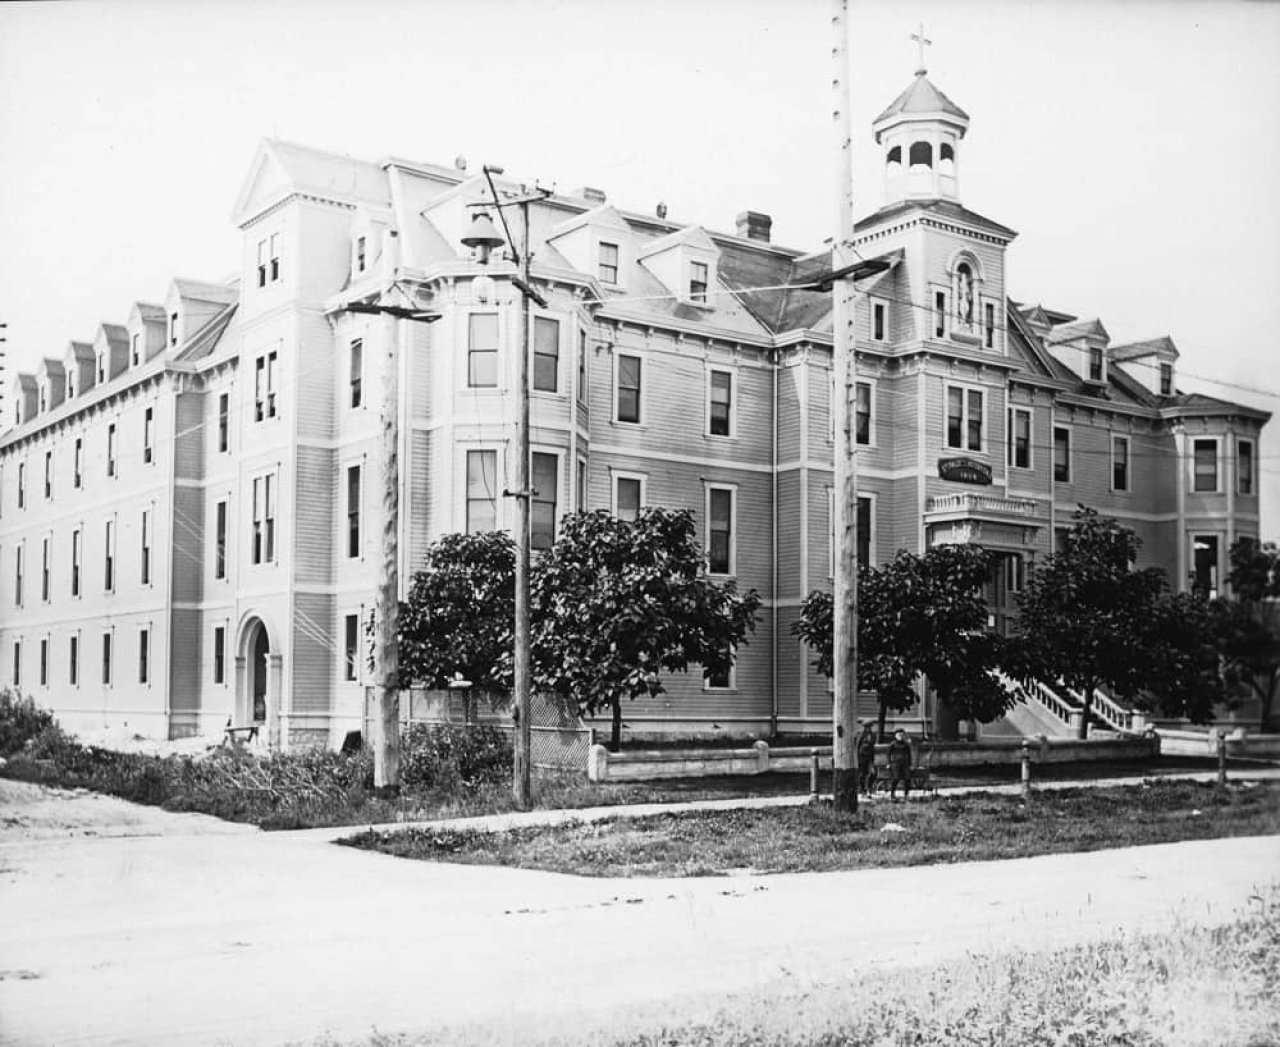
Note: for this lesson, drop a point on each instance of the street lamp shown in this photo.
(484, 239)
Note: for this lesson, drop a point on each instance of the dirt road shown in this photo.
(139, 927)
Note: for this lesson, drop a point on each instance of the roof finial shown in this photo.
(921, 44)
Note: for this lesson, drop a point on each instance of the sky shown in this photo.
(1133, 145)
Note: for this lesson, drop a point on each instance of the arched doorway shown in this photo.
(260, 650)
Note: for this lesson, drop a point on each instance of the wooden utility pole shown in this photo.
(523, 733)
(845, 584)
(386, 751)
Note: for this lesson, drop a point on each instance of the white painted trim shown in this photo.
(1053, 455)
(460, 449)
(1010, 447)
(617, 354)
(707, 487)
(984, 443)
(1128, 464)
(619, 474)
(1219, 465)
(683, 459)
(734, 389)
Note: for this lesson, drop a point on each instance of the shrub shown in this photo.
(21, 720)
(446, 757)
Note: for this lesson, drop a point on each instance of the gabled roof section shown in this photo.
(605, 216)
(117, 335)
(922, 98)
(147, 311)
(1162, 346)
(1027, 347)
(52, 367)
(939, 208)
(281, 168)
(81, 352)
(690, 236)
(1199, 404)
(200, 291)
(206, 340)
(1091, 328)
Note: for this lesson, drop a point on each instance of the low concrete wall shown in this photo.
(645, 765)
(1240, 744)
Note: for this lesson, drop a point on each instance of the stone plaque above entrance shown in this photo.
(964, 470)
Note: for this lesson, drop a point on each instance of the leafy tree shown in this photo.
(1086, 614)
(617, 603)
(1181, 652)
(919, 614)
(1251, 622)
(460, 615)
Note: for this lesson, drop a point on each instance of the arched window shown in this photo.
(894, 156)
(946, 159)
(921, 154)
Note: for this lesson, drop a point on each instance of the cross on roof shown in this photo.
(921, 44)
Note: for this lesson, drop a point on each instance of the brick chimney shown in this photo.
(755, 226)
(591, 194)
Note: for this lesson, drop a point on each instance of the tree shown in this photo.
(618, 603)
(460, 615)
(919, 614)
(1251, 623)
(1086, 613)
(1183, 674)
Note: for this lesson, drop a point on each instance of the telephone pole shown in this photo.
(845, 583)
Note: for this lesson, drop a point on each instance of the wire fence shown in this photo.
(559, 740)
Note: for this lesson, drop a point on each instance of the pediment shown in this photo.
(266, 182)
(601, 218)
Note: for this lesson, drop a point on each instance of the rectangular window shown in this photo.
(1019, 447)
(106, 658)
(75, 562)
(1166, 379)
(724, 680)
(22, 484)
(482, 350)
(220, 540)
(627, 408)
(264, 386)
(44, 662)
(1120, 463)
(351, 647)
(546, 354)
(275, 257)
(1061, 455)
(862, 413)
(17, 575)
(48, 474)
(582, 367)
(698, 281)
(262, 263)
(482, 491)
(102, 368)
(879, 321)
(17, 663)
(144, 655)
(1095, 364)
(1244, 466)
(73, 660)
(356, 372)
(111, 449)
(353, 511)
(219, 654)
(109, 557)
(940, 314)
(173, 328)
(224, 419)
(77, 463)
(989, 324)
(582, 485)
(1204, 577)
(360, 249)
(264, 520)
(146, 547)
(1015, 573)
(964, 418)
(148, 426)
(608, 263)
(720, 408)
(134, 355)
(628, 496)
(720, 550)
(864, 543)
(1206, 465)
(542, 523)
(44, 569)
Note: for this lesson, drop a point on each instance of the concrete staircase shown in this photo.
(1055, 711)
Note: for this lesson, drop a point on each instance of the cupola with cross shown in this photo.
(920, 134)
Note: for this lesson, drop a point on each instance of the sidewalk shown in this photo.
(558, 816)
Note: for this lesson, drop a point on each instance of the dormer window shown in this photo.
(173, 328)
(608, 263)
(44, 399)
(1166, 379)
(134, 352)
(360, 254)
(698, 281)
(102, 368)
(71, 384)
(1095, 364)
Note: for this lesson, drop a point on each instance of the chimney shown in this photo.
(754, 226)
(594, 196)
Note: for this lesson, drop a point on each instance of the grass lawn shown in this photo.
(1188, 986)
(974, 827)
